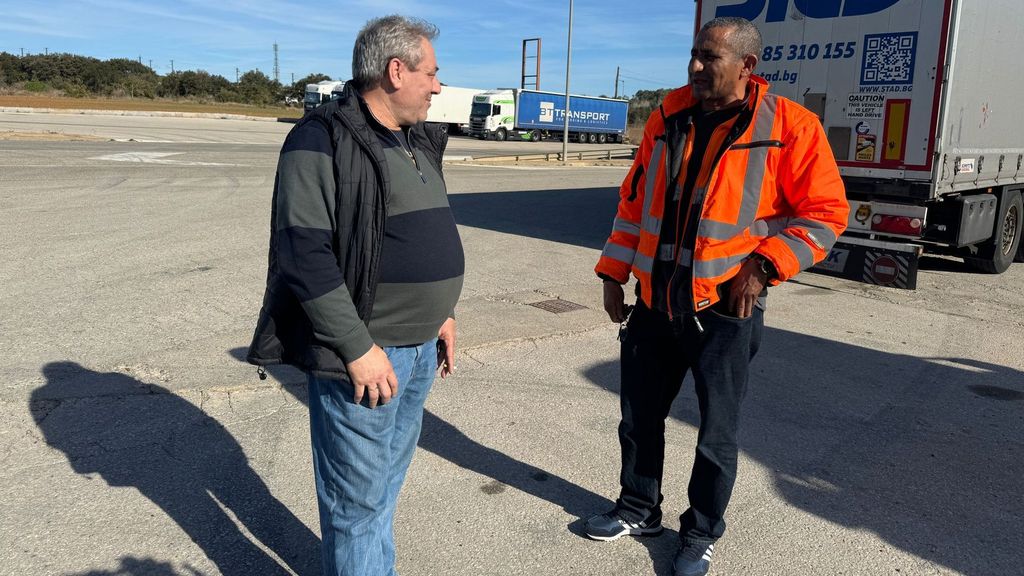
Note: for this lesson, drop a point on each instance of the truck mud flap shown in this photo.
(891, 264)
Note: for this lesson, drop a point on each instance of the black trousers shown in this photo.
(656, 354)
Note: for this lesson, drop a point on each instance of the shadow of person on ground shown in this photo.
(139, 435)
(927, 453)
(132, 566)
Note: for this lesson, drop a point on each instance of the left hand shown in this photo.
(446, 348)
(746, 287)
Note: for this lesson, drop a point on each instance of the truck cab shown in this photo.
(493, 114)
(320, 93)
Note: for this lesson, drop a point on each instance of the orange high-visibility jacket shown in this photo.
(773, 188)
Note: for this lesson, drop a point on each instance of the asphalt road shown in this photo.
(883, 432)
(173, 130)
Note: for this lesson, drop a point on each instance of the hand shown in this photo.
(746, 287)
(614, 301)
(446, 348)
(373, 375)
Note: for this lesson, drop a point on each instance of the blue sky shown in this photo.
(480, 44)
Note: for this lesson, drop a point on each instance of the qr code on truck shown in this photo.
(889, 59)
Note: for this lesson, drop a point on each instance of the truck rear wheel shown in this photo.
(996, 254)
(602, 138)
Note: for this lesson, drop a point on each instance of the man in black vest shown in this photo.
(367, 310)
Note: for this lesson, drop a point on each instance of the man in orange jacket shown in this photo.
(733, 190)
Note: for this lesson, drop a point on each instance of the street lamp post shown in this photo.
(568, 65)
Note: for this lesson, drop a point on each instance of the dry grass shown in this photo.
(47, 137)
(634, 134)
(142, 104)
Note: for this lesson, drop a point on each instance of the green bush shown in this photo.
(76, 91)
(35, 86)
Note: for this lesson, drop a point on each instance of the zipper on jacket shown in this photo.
(372, 271)
(697, 202)
(740, 125)
(683, 167)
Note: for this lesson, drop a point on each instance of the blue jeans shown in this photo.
(656, 354)
(360, 457)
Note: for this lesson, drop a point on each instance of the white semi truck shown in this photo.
(450, 108)
(535, 115)
(319, 93)
(921, 102)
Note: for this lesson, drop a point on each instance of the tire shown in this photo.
(996, 254)
(535, 136)
(602, 138)
(500, 135)
(592, 138)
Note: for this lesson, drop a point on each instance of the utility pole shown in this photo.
(277, 71)
(568, 65)
(140, 58)
(616, 81)
(293, 77)
(46, 51)
(236, 74)
(172, 66)
(22, 52)
(150, 63)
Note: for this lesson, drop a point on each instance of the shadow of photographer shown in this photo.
(140, 435)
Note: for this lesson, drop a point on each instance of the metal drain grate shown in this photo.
(558, 306)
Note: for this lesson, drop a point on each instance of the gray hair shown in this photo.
(383, 39)
(745, 37)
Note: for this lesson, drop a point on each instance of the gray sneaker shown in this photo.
(612, 525)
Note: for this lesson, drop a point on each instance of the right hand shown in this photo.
(372, 374)
(614, 301)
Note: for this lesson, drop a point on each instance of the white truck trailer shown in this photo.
(450, 108)
(920, 100)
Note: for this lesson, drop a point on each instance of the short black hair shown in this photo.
(745, 37)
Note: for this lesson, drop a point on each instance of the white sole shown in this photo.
(650, 532)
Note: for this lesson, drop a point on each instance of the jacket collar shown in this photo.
(350, 112)
(682, 98)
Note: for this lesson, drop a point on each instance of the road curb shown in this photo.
(155, 113)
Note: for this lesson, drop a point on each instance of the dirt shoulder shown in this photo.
(142, 105)
(10, 135)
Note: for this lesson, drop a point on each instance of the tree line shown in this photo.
(83, 76)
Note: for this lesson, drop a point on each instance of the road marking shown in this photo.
(155, 158)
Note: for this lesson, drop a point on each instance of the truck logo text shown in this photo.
(547, 111)
(752, 9)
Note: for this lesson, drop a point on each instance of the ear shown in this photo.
(395, 72)
(749, 63)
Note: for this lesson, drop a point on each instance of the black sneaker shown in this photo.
(693, 559)
(612, 525)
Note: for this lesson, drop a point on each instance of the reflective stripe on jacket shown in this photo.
(768, 184)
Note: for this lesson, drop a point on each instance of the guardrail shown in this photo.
(575, 155)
